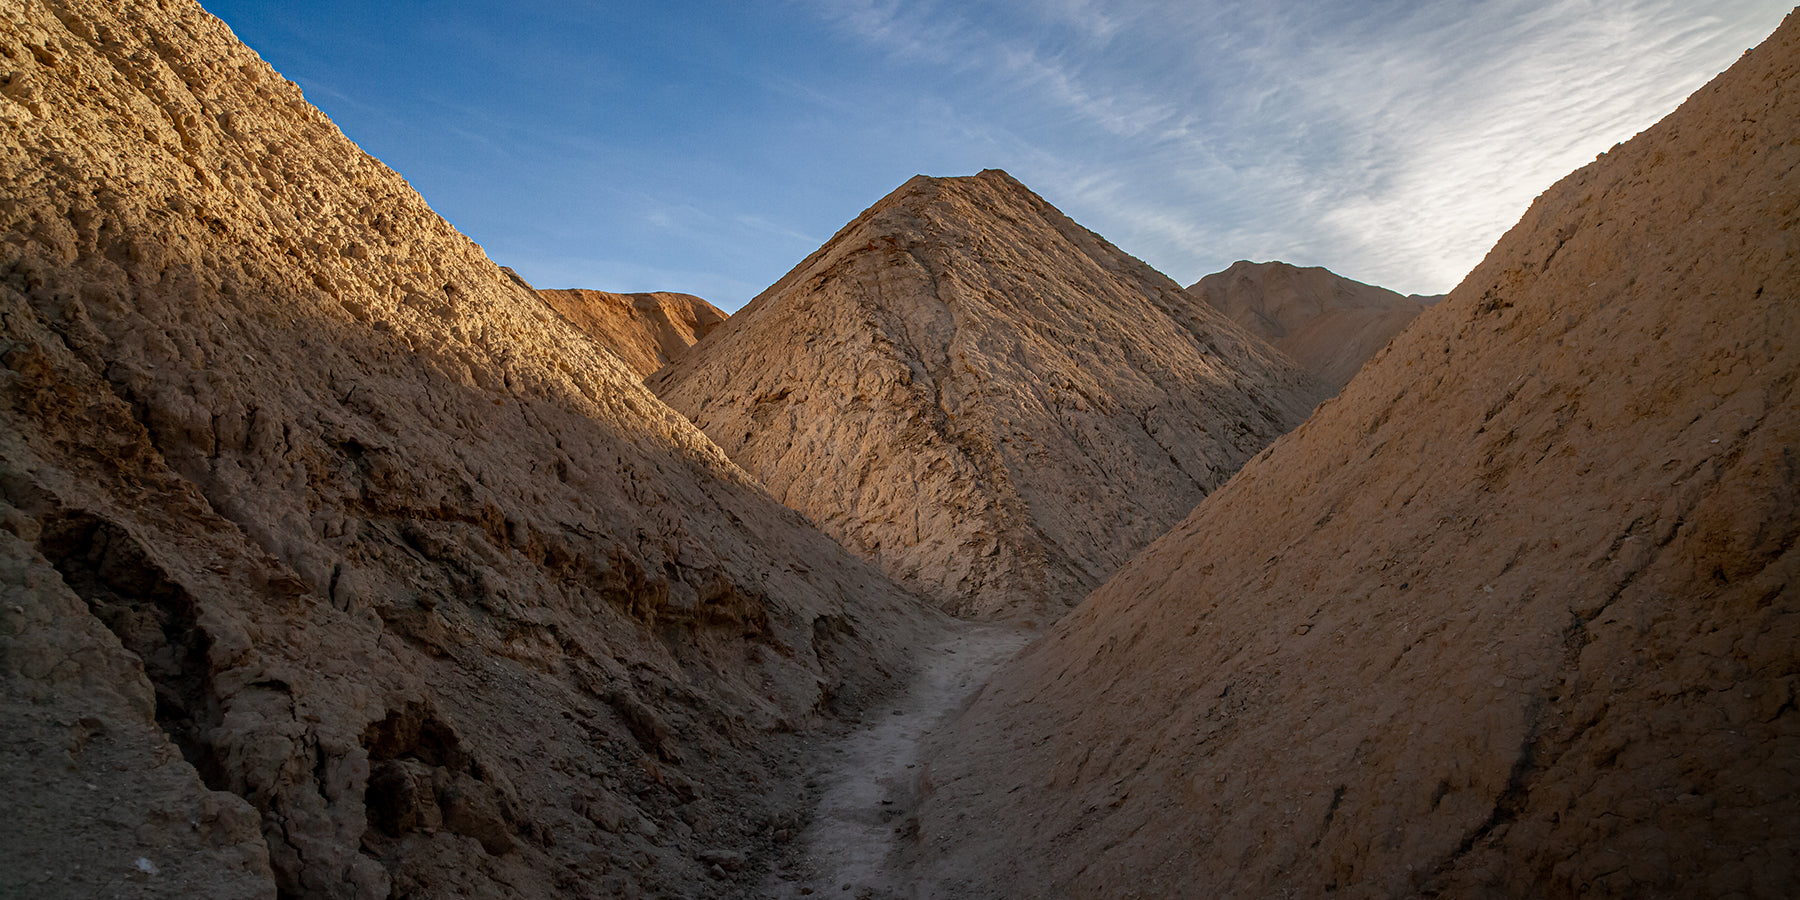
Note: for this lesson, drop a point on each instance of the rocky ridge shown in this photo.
(1517, 614)
(647, 331)
(993, 404)
(332, 562)
(1327, 323)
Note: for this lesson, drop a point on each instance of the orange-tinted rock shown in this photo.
(647, 331)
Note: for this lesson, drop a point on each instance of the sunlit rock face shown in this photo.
(988, 401)
(646, 331)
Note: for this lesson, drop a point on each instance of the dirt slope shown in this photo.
(647, 331)
(987, 400)
(332, 561)
(1327, 323)
(1515, 615)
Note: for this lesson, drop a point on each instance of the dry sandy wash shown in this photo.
(1516, 615)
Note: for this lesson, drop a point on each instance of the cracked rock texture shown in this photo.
(81, 744)
(991, 403)
(647, 331)
(1517, 614)
(1327, 323)
(332, 562)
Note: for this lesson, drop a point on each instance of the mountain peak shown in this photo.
(964, 384)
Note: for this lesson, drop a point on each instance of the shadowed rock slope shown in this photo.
(332, 562)
(1515, 615)
(1327, 323)
(647, 331)
(987, 400)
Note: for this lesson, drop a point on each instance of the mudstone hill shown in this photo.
(336, 561)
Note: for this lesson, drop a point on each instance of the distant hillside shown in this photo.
(647, 331)
(1327, 323)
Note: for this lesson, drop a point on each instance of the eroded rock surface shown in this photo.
(987, 400)
(1517, 614)
(336, 564)
(1327, 323)
(647, 331)
(99, 801)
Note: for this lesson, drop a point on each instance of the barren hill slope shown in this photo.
(647, 331)
(332, 562)
(1517, 614)
(987, 400)
(1327, 323)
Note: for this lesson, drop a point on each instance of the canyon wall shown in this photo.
(332, 562)
(1517, 614)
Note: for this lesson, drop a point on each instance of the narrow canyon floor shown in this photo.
(866, 778)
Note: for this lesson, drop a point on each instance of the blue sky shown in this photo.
(708, 147)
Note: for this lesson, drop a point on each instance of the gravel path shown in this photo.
(866, 777)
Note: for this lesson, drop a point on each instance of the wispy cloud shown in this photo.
(916, 31)
(1394, 142)
(1454, 126)
(638, 146)
(800, 240)
(1122, 112)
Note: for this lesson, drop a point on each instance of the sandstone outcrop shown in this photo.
(1517, 614)
(987, 400)
(1327, 323)
(332, 562)
(647, 331)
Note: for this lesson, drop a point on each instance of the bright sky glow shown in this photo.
(707, 147)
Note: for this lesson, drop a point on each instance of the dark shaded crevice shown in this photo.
(651, 731)
(829, 635)
(422, 779)
(1531, 759)
(1198, 481)
(153, 617)
(1513, 796)
(1337, 800)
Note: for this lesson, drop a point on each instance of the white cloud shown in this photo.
(802, 241)
(1085, 17)
(1392, 142)
(1463, 122)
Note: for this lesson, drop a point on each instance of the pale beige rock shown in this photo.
(1516, 615)
(987, 400)
(1328, 324)
(647, 331)
(414, 569)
